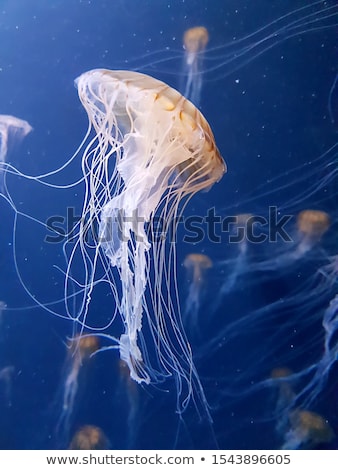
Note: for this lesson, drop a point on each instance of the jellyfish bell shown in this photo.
(311, 224)
(84, 346)
(163, 150)
(195, 40)
(12, 131)
(89, 437)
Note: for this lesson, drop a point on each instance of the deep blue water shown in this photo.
(270, 114)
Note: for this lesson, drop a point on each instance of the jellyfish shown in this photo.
(12, 131)
(286, 393)
(151, 148)
(196, 265)
(80, 350)
(89, 437)
(195, 41)
(310, 227)
(311, 224)
(239, 230)
(307, 429)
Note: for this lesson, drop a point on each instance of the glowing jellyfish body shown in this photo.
(196, 265)
(152, 147)
(12, 130)
(89, 438)
(311, 225)
(195, 41)
(308, 429)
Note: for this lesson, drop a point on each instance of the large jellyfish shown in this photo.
(312, 224)
(195, 41)
(12, 131)
(151, 148)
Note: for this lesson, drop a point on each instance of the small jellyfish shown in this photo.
(194, 41)
(89, 438)
(286, 393)
(311, 224)
(281, 378)
(12, 131)
(196, 265)
(80, 350)
(308, 429)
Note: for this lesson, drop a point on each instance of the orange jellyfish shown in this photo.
(89, 438)
(196, 265)
(282, 376)
(311, 224)
(308, 429)
(151, 148)
(12, 131)
(80, 350)
(195, 41)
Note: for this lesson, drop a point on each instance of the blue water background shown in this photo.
(268, 117)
